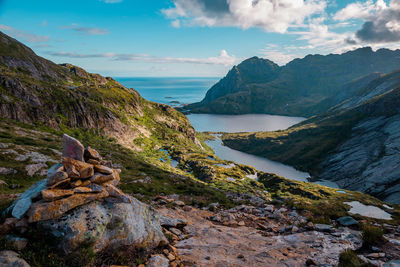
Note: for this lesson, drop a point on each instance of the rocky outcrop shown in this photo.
(368, 161)
(11, 258)
(303, 87)
(106, 225)
(79, 205)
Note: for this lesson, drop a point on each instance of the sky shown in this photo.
(195, 38)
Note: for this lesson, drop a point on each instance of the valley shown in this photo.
(167, 166)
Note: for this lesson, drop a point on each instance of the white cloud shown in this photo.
(86, 30)
(24, 36)
(111, 1)
(222, 59)
(277, 56)
(270, 15)
(381, 20)
(176, 23)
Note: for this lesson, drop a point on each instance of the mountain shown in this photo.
(354, 144)
(152, 153)
(303, 87)
(35, 90)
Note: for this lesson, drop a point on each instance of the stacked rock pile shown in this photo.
(81, 177)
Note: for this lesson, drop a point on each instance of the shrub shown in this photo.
(372, 236)
(349, 258)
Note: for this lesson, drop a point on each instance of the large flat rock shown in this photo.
(107, 225)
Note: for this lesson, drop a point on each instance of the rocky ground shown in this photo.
(268, 235)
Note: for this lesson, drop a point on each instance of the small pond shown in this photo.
(368, 210)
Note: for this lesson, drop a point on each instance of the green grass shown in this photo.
(372, 236)
(349, 258)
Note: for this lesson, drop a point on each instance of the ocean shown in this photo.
(170, 91)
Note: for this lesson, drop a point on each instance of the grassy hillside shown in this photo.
(41, 100)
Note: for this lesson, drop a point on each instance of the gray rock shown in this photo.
(53, 169)
(172, 222)
(21, 205)
(347, 221)
(32, 169)
(6, 171)
(72, 148)
(106, 225)
(18, 243)
(392, 263)
(368, 161)
(10, 258)
(56, 178)
(95, 188)
(2, 145)
(324, 228)
(158, 261)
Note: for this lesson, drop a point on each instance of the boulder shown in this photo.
(18, 243)
(50, 210)
(8, 225)
(324, 228)
(56, 178)
(117, 193)
(32, 169)
(54, 194)
(11, 258)
(21, 205)
(95, 188)
(347, 221)
(85, 170)
(90, 153)
(6, 171)
(82, 189)
(76, 183)
(158, 261)
(106, 225)
(99, 178)
(172, 222)
(55, 168)
(72, 148)
(73, 173)
(103, 169)
(61, 184)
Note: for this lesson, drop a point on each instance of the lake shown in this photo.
(247, 123)
(177, 91)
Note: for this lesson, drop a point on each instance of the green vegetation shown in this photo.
(372, 236)
(349, 258)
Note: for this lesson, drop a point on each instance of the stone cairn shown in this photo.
(81, 177)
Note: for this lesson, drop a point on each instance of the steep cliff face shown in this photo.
(35, 90)
(355, 144)
(303, 87)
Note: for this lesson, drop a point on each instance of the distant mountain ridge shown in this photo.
(354, 144)
(303, 87)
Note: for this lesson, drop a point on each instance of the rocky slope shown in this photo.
(35, 90)
(303, 87)
(163, 162)
(355, 144)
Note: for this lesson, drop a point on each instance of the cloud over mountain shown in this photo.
(270, 15)
(222, 59)
(382, 21)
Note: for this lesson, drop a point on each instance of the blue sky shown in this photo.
(195, 37)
